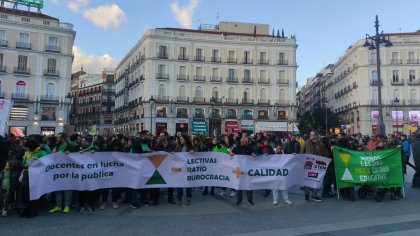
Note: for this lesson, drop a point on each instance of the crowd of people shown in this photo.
(16, 152)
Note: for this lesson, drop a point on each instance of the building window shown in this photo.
(411, 57)
(161, 112)
(22, 63)
(163, 52)
(394, 58)
(247, 95)
(231, 74)
(1, 61)
(282, 59)
(247, 75)
(23, 38)
(231, 93)
(395, 76)
(182, 70)
(374, 76)
(215, 72)
(20, 88)
(199, 54)
(412, 75)
(182, 91)
(49, 90)
(162, 91)
(247, 114)
(231, 114)
(199, 113)
(51, 65)
(263, 94)
(263, 114)
(53, 44)
(161, 69)
(215, 93)
(198, 93)
(183, 53)
(181, 112)
(282, 115)
(3, 41)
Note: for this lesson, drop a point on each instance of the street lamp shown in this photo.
(69, 101)
(211, 115)
(152, 103)
(396, 103)
(325, 102)
(372, 43)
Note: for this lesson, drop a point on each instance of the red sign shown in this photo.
(231, 127)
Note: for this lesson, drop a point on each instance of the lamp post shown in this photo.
(69, 101)
(396, 103)
(211, 116)
(373, 42)
(325, 102)
(152, 103)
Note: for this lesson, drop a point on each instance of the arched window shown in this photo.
(263, 94)
(20, 87)
(396, 94)
(49, 90)
(282, 95)
(247, 94)
(413, 95)
(198, 93)
(215, 93)
(162, 90)
(231, 93)
(182, 91)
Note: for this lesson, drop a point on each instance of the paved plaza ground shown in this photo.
(214, 215)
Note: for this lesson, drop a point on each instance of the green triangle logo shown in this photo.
(156, 179)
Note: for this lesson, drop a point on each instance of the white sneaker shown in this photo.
(233, 193)
(288, 202)
(222, 193)
(275, 202)
(4, 213)
(102, 207)
(115, 205)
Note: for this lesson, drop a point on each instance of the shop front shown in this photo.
(247, 126)
(161, 125)
(231, 127)
(199, 127)
(181, 126)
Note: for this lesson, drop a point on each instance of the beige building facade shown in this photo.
(215, 80)
(352, 90)
(35, 68)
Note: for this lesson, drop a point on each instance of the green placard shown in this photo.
(199, 127)
(380, 168)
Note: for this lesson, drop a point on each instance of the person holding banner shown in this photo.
(33, 152)
(62, 197)
(243, 149)
(184, 145)
(279, 152)
(313, 146)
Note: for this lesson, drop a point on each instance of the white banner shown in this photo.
(90, 171)
(261, 126)
(5, 106)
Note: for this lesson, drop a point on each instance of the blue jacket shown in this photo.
(406, 148)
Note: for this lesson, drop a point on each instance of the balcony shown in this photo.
(232, 80)
(3, 69)
(3, 43)
(282, 102)
(264, 101)
(413, 102)
(263, 61)
(215, 100)
(199, 78)
(247, 61)
(20, 96)
(247, 81)
(215, 79)
(282, 81)
(282, 62)
(397, 82)
(396, 61)
(412, 61)
(231, 101)
(413, 82)
(22, 71)
(162, 55)
(161, 76)
(52, 48)
(199, 100)
(162, 99)
(216, 59)
(374, 82)
(23, 45)
(248, 101)
(182, 99)
(231, 60)
(50, 98)
(199, 58)
(183, 57)
(182, 77)
(51, 73)
(263, 81)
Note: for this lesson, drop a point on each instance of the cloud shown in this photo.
(106, 16)
(76, 5)
(91, 63)
(184, 15)
(103, 16)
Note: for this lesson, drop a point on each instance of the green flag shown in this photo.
(380, 168)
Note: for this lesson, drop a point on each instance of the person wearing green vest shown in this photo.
(33, 152)
(61, 197)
